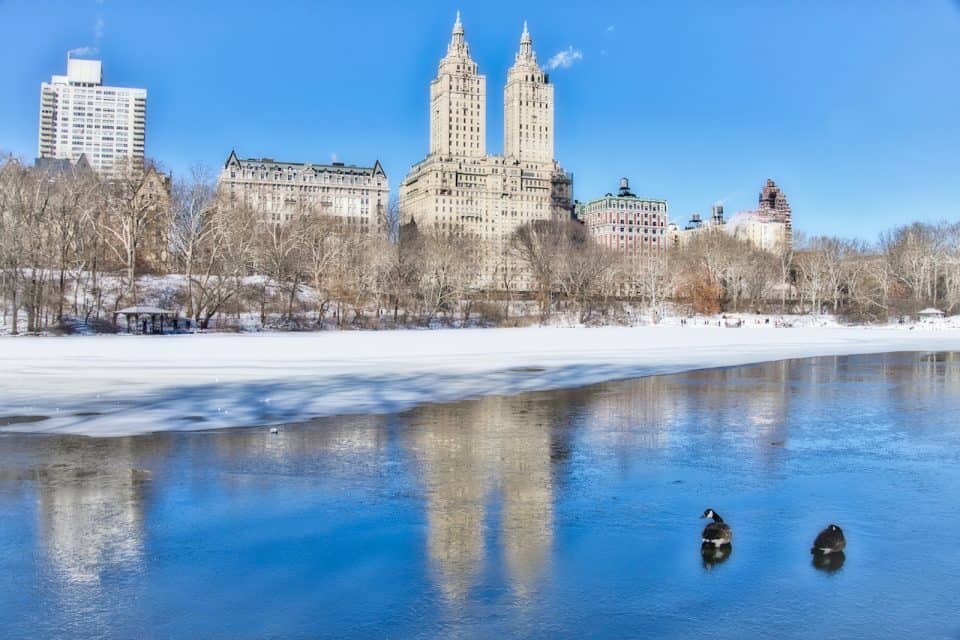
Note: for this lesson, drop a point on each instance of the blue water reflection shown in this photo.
(556, 514)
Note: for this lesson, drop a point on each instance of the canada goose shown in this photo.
(718, 532)
(829, 541)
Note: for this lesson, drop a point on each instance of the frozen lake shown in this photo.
(566, 513)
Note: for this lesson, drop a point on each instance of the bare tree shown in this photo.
(280, 250)
(917, 257)
(194, 233)
(27, 208)
(322, 251)
(134, 207)
(588, 270)
(538, 247)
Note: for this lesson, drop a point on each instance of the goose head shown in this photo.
(710, 513)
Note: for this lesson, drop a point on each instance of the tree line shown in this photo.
(75, 248)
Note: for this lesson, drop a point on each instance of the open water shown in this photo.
(560, 514)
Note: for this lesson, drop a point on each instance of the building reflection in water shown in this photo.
(522, 432)
(339, 435)
(337, 451)
(91, 508)
(743, 408)
(454, 460)
(930, 376)
(470, 454)
(495, 457)
(630, 417)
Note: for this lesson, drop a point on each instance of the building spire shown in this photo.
(457, 42)
(526, 45)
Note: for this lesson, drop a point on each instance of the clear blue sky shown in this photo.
(852, 106)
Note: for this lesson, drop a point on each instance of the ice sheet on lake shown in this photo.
(125, 385)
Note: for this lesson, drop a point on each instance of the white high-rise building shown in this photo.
(79, 116)
(458, 188)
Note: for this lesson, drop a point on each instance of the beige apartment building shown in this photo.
(459, 188)
(764, 234)
(278, 191)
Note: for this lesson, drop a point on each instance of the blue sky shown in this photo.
(853, 107)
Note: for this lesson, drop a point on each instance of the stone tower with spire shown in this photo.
(458, 189)
(458, 95)
(528, 107)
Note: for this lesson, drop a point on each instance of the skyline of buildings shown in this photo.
(457, 188)
(814, 136)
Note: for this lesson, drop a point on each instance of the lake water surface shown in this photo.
(557, 514)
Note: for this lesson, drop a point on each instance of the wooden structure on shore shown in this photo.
(145, 320)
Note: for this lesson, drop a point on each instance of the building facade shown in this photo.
(459, 188)
(628, 223)
(278, 191)
(764, 234)
(79, 116)
(153, 192)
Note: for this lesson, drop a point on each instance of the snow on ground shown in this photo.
(126, 385)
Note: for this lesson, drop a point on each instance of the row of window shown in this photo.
(602, 230)
(626, 205)
(323, 178)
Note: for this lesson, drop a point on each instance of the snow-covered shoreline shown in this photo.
(128, 385)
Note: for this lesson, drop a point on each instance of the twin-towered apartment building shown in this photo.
(461, 189)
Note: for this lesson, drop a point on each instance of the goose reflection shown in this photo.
(713, 555)
(830, 562)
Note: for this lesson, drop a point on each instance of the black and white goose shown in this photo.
(718, 532)
(830, 540)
